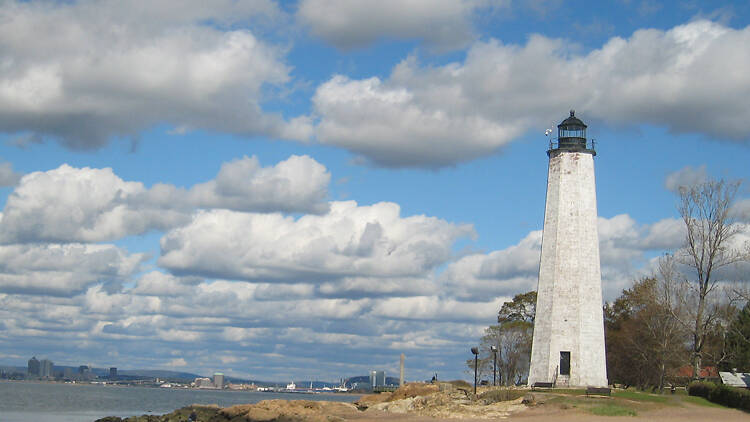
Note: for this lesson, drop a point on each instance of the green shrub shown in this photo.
(701, 389)
(721, 394)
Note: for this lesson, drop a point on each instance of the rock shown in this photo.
(529, 399)
(295, 410)
(397, 406)
(414, 389)
(370, 399)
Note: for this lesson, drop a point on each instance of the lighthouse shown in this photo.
(568, 343)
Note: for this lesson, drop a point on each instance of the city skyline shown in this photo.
(257, 188)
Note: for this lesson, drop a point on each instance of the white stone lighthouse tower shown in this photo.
(568, 344)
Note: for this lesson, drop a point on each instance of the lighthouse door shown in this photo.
(564, 363)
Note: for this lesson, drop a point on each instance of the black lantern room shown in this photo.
(571, 136)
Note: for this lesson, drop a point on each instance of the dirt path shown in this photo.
(686, 412)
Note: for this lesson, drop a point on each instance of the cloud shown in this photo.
(348, 241)
(348, 24)
(297, 184)
(623, 249)
(63, 270)
(69, 204)
(85, 72)
(741, 210)
(8, 177)
(434, 308)
(282, 329)
(430, 116)
(92, 205)
(685, 177)
(178, 362)
(359, 287)
(156, 283)
(502, 273)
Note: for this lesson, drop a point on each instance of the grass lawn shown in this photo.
(610, 409)
(640, 396)
(622, 402)
(700, 401)
(601, 406)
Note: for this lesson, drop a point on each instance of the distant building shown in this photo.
(203, 383)
(113, 373)
(34, 369)
(687, 372)
(68, 373)
(735, 379)
(219, 380)
(84, 372)
(45, 369)
(377, 379)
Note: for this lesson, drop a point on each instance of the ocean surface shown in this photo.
(47, 402)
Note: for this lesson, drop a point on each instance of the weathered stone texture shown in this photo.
(569, 304)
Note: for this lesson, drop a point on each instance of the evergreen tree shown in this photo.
(738, 341)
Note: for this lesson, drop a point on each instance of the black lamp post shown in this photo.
(493, 349)
(475, 351)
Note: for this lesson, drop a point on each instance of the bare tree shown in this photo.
(710, 232)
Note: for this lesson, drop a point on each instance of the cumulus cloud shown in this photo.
(623, 249)
(347, 24)
(348, 241)
(63, 270)
(358, 287)
(269, 327)
(741, 210)
(8, 177)
(296, 184)
(156, 283)
(84, 72)
(435, 308)
(687, 176)
(70, 204)
(502, 273)
(428, 116)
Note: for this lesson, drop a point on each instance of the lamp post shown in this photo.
(493, 349)
(475, 351)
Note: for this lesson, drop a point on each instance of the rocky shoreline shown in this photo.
(443, 400)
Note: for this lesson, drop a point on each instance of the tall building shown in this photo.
(112, 373)
(45, 369)
(377, 378)
(84, 372)
(34, 368)
(219, 380)
(568, 342)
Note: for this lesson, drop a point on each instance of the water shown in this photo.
(47, 402)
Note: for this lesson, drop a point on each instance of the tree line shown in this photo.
(690, 313)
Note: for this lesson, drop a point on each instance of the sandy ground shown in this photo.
(550, 412)
(543, 414)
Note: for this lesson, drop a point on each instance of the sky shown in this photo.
(307, 189)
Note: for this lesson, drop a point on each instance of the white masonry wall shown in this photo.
(569, 313)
